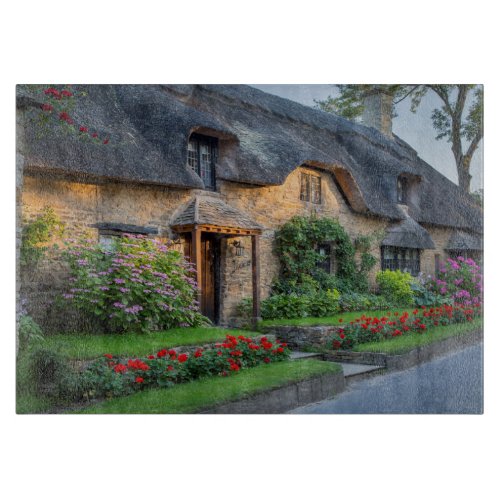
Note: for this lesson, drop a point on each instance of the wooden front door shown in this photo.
(210, 274)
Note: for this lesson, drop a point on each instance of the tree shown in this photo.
(460, 124)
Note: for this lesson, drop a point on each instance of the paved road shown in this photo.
(450, 384)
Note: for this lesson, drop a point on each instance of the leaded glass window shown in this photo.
(310, 188)
(405, 259)
(202, 156)
(325, 250)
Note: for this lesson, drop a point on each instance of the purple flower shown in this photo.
(68, 295)
(82, 262)
(124, 290)
(119, 281)
(104, 288)
(119, 305)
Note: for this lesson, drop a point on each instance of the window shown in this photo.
(403, 187)
(325, 250)
(310, 188)
(404, 259)
(202, 156)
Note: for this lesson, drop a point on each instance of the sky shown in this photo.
(414, 128)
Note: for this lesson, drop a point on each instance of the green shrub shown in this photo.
(324, 304)
(425, 297)
(139, 285)
(395, 286)
(285, 306)
(361, 302)
(30, 332)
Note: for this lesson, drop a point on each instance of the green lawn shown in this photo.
(192, 397)
(88, 346)
(329, 320)
(404, 344)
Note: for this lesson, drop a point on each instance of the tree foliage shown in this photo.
(459, 119)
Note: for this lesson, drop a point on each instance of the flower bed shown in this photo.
(112, 376)
(373, 329)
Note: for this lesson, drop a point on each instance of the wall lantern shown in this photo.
(239, 250)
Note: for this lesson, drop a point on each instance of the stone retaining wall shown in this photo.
(410, 359)
(301, 336)
(285, 398)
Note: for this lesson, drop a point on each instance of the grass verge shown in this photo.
(404, 344)
(88, 346)
(193, 397)
(329, 320)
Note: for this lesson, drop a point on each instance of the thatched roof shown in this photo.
(461, 240)
(408, 234)
(264, 139)
(204, 209)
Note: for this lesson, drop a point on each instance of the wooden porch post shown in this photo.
(196, 256)
(256, 278)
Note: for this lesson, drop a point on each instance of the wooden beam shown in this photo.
(196, 257)
(256, 278)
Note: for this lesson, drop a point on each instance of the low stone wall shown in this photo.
(301, 336)
(285, 398)
(410, 359)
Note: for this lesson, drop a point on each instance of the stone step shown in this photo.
(303, 355)
(354, 372)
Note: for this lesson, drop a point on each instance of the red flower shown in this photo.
(161, 353)
(94, 135)
(198, 354)
(65, 117)
(234, 367)
(170, 368)
(172, 353)
(66, 93)
(342, 336)
(119, 368)
(151, 356)
(336, 344)
(267, 360)
(84, 129)
(284, 344)
(182, 358)
(109, 356)
(280, 349)
(47, 107)
(105, 141)
(139, 380)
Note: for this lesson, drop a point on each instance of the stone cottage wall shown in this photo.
(273, 206)
(440, 236)
(81, 205)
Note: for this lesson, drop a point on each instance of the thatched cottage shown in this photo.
(218, 168)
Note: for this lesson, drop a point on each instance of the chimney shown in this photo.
(377, 111)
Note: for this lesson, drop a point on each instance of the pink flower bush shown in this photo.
(139, 285)
(460, 279)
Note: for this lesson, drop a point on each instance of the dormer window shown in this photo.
(202, 156)
(403, 189)
(310, 188)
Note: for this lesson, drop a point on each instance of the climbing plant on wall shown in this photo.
(297, 249)
(36, 235)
